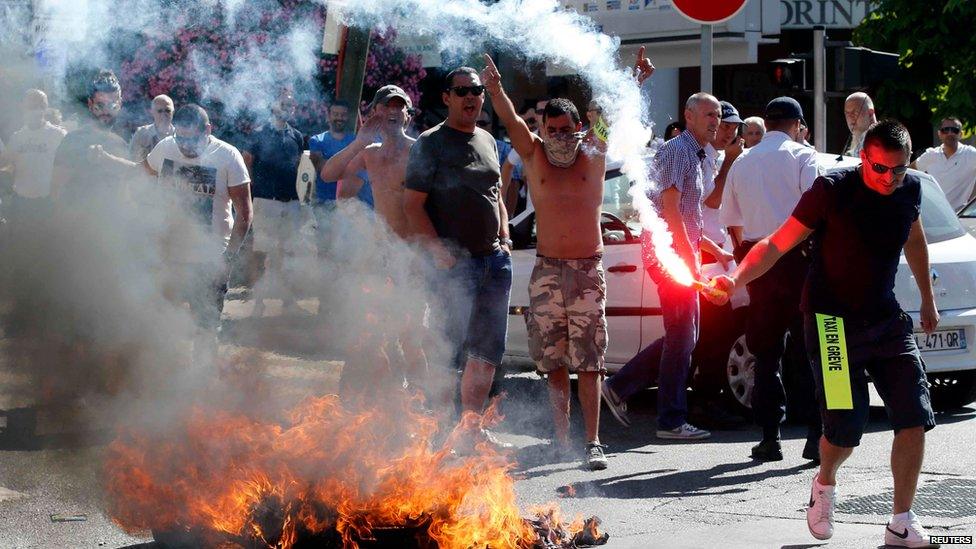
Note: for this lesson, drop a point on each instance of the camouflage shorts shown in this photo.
(566, 320)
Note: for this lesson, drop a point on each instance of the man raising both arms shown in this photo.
(566, 320)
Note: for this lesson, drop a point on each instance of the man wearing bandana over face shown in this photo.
(566, 319)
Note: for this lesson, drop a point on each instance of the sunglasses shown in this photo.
(114, 106)
(463, 91)
(950, 129)
(164, 111)
(882, 169)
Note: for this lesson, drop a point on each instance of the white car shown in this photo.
(721, 361)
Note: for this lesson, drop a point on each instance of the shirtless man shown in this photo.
(386, 164)
(566, 320)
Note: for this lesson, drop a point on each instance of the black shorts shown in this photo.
(886, 351)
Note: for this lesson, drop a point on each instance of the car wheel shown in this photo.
(740, 374)
(952, 390)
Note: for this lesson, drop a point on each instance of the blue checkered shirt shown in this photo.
(678, 164)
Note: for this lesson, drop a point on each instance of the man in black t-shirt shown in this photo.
(451, 201)
(272, 156)
(861, 219)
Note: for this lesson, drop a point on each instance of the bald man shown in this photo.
(30, 152)
(859, 112)
(146, 137)
(753, 130)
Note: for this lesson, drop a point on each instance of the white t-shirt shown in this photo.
(956, 175)
(32, 153)
(765, 183)
(203, 181)
(712, 226)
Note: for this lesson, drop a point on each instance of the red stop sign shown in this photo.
(710, 12)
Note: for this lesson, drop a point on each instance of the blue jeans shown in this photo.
(476, 301)
(667, 360)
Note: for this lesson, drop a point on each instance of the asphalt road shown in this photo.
(654, 494)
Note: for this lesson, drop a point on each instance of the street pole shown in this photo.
(706, 58)
(819, 89)
(352, 66)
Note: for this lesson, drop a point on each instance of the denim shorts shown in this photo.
(478, 291)
(886, 351)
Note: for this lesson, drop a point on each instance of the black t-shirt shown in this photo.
(276, 155)
(858, 236)
(86, 175)
(460, 173)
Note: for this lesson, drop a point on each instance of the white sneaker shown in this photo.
(820, 511)
(685, 432)
(907, 533)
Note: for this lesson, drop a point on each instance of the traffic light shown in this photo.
(788, 74)
(859, 68)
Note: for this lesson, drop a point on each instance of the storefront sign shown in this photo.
(836, 14)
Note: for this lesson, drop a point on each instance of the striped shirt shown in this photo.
(678, 164)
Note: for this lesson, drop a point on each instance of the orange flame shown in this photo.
(323, 469)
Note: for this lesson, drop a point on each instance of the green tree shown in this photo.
(936, 43)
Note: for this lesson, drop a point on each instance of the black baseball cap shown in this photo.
(783, 108)
(729, 114)
(384, 94)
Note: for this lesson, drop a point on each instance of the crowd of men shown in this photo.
(812, 250)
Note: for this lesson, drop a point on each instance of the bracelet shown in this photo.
(505, 241)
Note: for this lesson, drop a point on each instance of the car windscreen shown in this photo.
(617, 200)
(969, 210)
(938, 218)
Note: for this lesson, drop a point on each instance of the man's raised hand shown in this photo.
(643, 68)
(490, 77)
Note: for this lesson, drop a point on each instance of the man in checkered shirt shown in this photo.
(677, 175)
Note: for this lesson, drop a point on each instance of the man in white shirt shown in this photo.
(207, 178)
(763, 187)
(953, 164)
(859, 113)
(30, 151)
(146, 137)
(720, 153)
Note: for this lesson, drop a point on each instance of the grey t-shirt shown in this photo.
(460, 173)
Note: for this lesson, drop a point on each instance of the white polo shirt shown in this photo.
(712, 226)
(956, 175)
(765, 184)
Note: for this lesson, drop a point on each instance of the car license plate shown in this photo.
(941, 340)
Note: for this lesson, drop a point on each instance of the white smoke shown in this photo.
(539, 30)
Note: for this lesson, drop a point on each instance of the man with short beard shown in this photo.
(453, 207)
(321, 147)
(145, 137)
(77, 173)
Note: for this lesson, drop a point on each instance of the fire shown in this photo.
(656, 240)
(323, 470)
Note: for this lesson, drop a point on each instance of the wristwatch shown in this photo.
(505, 241)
